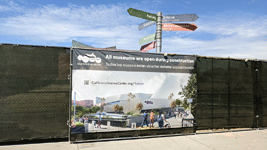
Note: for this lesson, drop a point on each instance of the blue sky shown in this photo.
(234, 28)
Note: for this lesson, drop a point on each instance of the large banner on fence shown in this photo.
(120, 90)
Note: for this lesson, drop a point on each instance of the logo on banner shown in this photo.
(89, 58)
(148, 102)
(86, 82)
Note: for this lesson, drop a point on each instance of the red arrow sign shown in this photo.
(148, 46)
(178, 27)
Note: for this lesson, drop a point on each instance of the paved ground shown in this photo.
(241, 140)
(174, 122)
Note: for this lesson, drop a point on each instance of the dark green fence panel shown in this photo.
(263, 105)
(204, 93)
(241, 104)
(231, 93)
(34, 92)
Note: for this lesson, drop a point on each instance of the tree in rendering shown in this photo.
(120, 108)
(178, 102)
(139, 107)
(170, 96)
(189, 91)
(94, 109)
(131, 97)
(116, 108)
(185, 104)
(173, 105)
(102, 103)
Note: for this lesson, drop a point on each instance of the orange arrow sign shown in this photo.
(178, 27)
(148, 46)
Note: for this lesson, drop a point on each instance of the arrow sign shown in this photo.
(178, 27)
(142, 14)
(146, 24)
(180, 18)
(147, 39)
(148, 46)
(171, 18)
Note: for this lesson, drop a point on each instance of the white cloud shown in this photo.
(247, 25)
(235, 46)
(52, 23)
(110, 25)
(238, 36)
(251, 2)
(10, 6)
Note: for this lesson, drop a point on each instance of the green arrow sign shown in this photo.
(147, 39)
(142, 14)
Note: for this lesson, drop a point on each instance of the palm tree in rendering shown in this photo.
(131, 97)
(170, 96)
(102, 103)
(120, 108)
(173, 105)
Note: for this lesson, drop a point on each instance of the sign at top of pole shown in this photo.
(171, 18)
(180, 18)
(142, 14)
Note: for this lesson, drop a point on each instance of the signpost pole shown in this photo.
(159, 31)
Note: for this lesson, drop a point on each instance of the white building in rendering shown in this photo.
(130, 104)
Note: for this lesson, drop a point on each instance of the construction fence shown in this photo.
(34, 93)
(231, 93)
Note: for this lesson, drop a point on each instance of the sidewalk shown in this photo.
(241, 140)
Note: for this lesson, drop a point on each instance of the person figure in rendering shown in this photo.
(145, 119)
(86, 120)
(83, 119)
(161, 120)
(99, 120)
(151, 119)
(80, 119)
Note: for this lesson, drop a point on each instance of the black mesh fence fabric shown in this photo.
(263, 103)
(34, 92)
(231, 93)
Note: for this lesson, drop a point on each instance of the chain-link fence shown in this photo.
(231, 93)
(34, 92)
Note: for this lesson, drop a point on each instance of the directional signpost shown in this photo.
(178, 27)
(158, 19)
(147, 39)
